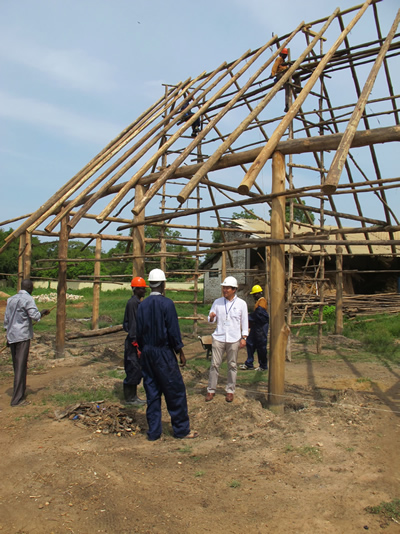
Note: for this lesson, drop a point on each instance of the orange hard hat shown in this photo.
(138, 281)
(284, 51)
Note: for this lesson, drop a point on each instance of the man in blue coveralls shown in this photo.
(259, 325)
(159, 339)
(131, 356)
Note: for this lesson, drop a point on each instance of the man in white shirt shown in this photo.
(231, 315)
(21, 311)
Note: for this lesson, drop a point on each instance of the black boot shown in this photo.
(130, 396)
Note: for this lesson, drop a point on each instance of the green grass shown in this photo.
(234, 484)
(186, 449)
(82, 395)
(388, 510)
(199, 473)
(313, 453)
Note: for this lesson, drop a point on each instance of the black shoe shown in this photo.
(130, 396)
(135, 402)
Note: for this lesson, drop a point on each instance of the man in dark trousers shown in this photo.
(20, 313)
(131, 356)
(257, 338)
(159, 340)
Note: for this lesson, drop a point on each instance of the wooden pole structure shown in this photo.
(138, 242)
(88, 202)
(206, 130)
(96, 286)
(212, 160)
(135, 178)
(53, 203)
(340, 156)
(279, 330)
(61, 318)
(339, 291)
(271, 145)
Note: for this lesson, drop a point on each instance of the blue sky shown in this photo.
(74, 74)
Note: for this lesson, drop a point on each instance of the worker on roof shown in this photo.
(278, 69)
(257, 338)
(131, 355)
(196, 125)
(159, 340)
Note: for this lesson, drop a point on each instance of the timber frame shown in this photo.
(329, 158)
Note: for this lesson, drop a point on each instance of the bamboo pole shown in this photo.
(271, 145)
(339, 291)
(96, 286)
(340, 156)
(61, 318)
(279, 330)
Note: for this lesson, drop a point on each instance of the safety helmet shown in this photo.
(255, 289)
(230, 281)
(138, 281)
(285, 51)
(157, 275)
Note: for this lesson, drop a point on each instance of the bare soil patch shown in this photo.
(316, 468)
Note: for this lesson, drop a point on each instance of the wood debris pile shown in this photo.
(104, 418)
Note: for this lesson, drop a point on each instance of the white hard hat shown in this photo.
(230, 281)
(157, 275)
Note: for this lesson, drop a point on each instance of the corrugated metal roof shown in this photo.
(262, 229)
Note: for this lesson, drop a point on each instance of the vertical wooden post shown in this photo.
(21, 255)
(279, 330)
(61, 318)
(138, 244)
(339, 291)
(27, 255)
(223, 267)
(96, 285)
(163, 243)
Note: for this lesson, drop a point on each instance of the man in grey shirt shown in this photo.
(21, 310)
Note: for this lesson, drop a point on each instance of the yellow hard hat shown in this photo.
(255, 289)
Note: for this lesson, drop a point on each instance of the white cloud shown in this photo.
(59, 121)
(73, 68)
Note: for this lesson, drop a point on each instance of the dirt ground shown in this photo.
(315, 469)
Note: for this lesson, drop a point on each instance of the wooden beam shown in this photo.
(340, 156)
(61, 318)
(279, 330)
(96, 286)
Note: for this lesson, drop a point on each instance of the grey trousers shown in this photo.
(218, 349)
(19, 353)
